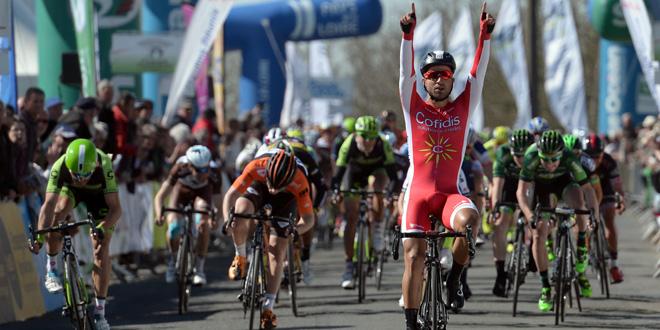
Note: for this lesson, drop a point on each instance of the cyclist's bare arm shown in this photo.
(229, 201)
(163, 192)
(498, 185)
(47, 212)
(114, 210)
(521, 194)
(591, 199)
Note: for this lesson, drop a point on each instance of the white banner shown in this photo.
(639, 25)
(137, 53)
(428, 37)
(319, 67)
(207, 20)
(509, 52)
(564, 80)
(294, 99)
(461, 46)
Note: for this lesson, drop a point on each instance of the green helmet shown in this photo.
(550, 143)
(501, 134)
(520, 140)
(366, 126)
(349, 124)
(80, 158)
(572, 142)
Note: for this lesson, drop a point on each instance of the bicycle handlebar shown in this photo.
(263, 215)
(433, 235)
(62, 227)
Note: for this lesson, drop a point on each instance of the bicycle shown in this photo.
(77, 299)
(433, 310)
(361, 236)
(383, 255)
(564, 274)
(254, 285)
(517, 263)
(185, 258)
(599, 254)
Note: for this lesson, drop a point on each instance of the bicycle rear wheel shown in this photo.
(291, 270)
(361, 271)
(603, 276)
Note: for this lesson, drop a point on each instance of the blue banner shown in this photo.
(7, 55)
(619, 85)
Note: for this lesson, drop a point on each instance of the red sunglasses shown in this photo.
(434, 75)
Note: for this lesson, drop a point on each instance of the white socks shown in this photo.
(269, 302)
(240, 250)
(100, 307)
(51, 263)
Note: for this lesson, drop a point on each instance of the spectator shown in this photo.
(105, 95)
(7, 175)
(183, 114)
(62, 136)
(21, 155)
(54, 106)
(42, 124)
(183, 139)
(124, 114)
(206, 132)
(100, 134)
(254, 118)
(81, 117)
(144, 109)
(33, 103)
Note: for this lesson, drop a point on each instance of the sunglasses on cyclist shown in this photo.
(434, 75)
(368, 137)
(548, 159)
(81, 176)
(201, 169)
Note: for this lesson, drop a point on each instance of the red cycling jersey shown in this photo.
(436, 138)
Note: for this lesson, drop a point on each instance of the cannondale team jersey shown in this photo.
(437, 136)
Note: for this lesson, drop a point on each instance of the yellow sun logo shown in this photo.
(437, 150)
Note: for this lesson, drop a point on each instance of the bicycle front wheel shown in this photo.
(76, 300)
(517, 268)
(291, 269)
(601, 244)
(183, 263)
(560, 285)
(361, 271)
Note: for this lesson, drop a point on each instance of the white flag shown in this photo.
(208, 18)
(319, 67)
(461, 46)
(428, 37)
(639, 25)
(564, 80)
(510, 53)
(294, 96)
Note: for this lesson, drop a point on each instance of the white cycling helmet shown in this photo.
(272, 135)
(199, 156)
(538, 125)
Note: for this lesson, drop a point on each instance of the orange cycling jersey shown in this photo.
(298, 187)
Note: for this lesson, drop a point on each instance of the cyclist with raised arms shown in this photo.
(190, 181)
(364, 153)
(82, 175)
(276, 180)
(437, 132)
(607, 170)
(552, 169)
(509, 159)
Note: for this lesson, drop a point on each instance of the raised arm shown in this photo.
(407, 70)
(481, 57)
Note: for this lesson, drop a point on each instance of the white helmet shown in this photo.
(272, 135)
(199, 156)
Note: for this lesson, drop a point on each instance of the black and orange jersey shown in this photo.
(298, 187)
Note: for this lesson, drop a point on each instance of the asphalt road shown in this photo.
(150, 303)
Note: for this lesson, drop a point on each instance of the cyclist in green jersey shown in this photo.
(82, 175)
(508, 160)
(554, 170)
(363, 154)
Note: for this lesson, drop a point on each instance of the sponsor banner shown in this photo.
(7, 54)
(639, 24)
(619, 76)
(217, 71)
(85, 26)
(427, 38)
(201, 82)
(137, 53)
(206, 22)
(564, 79)
(20, 293)
(461, 46)
(510, 54)
(295, 102)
